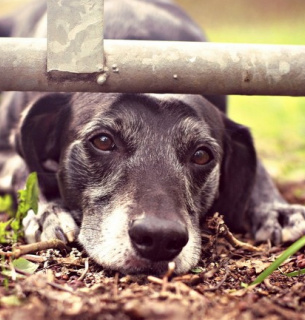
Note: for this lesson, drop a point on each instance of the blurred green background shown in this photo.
(278, 123)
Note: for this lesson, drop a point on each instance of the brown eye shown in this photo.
(201, 157)
(103, 142)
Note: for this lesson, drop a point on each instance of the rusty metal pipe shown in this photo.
(159, 67)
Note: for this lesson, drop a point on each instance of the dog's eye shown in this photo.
(202, 157)
(103, 142)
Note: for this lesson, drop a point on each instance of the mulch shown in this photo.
(71, 286)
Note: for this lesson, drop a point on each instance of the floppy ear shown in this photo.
(38, 137)
(237, 178)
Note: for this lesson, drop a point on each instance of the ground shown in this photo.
(69, 286)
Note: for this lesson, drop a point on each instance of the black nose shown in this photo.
(157, 239)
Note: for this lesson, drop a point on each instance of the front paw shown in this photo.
(51, 222)
(293, 217)
(283, 223)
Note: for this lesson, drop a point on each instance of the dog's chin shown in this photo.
(137, 265)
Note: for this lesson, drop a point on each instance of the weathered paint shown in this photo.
(75, 36)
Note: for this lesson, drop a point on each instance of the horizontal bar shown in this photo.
(151, 66)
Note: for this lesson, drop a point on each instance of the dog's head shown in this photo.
(142, 169)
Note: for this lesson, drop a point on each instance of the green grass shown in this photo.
(277, 32)
(294, 248)
(278, 126)
(12, 230)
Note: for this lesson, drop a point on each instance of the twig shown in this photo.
(181, 288)
(170, 271)
(21, 250)
(154, 280)
(39, 246)
(14, 273)
(270, 286)
(220, 283)
(115, 285)
(81, 278)
(34, 258)
(164, 280)
(227, 234)
(59, 287)
(24, 273)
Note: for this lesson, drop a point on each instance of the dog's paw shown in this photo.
(294, 222)
(284, 223)
(51, 222)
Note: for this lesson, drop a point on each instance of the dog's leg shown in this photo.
(271, 217)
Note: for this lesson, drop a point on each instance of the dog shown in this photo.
(132, 177)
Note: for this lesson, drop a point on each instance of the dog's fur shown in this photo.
(136, 201)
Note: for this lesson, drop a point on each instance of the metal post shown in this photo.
(75, 36)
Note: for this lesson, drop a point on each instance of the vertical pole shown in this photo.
(75, 36)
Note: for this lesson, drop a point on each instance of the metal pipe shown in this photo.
(151, 66)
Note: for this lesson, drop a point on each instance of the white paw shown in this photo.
(51, 222)
(269, 230)
(294, 226)
(284, 223)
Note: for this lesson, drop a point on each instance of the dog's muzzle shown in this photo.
(157, 239)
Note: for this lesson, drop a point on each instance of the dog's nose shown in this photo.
(157, 239)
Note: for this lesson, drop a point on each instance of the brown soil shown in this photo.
(62, 288)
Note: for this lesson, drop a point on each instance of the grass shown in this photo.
(278, 126)
(294, 248)
(12, 229)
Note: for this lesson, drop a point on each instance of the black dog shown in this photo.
(132, 176)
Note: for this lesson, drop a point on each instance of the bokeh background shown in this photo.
(278, 123)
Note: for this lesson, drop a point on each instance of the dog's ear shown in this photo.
(238, 174)
(37, 138)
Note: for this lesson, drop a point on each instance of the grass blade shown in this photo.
(296, 246)
(295, 273)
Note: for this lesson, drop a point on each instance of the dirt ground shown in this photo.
(73, 287)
